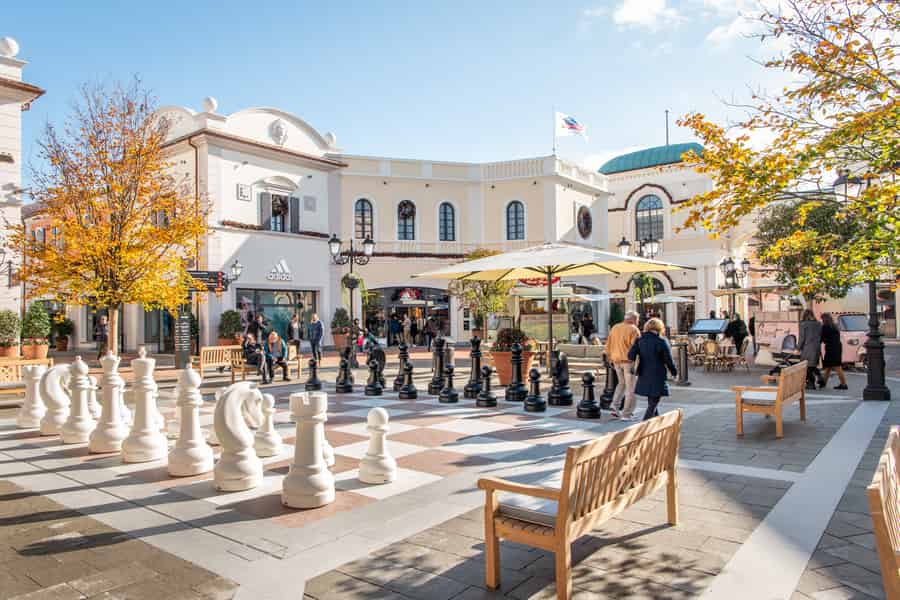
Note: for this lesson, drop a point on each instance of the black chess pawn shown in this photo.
(516, 391)
(560, 392)
(487, 398)
(344, 383)
(472, 388)
(534, 402)
(588, 407)
(404, 356)
(373, 386)
(609, 387)
(448, 393)
(437, 380)
(408, 391)
(312, 383)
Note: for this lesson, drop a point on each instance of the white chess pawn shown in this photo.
(309, 483)
(377, 466)
(110, 430)
(93, 405)
(238, 468)
(145, 442)
(266, 441)
(32, 409)
(80, 424)
(56, 397)
(191, 454)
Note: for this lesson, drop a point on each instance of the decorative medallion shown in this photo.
(278, 131)
(585, 222)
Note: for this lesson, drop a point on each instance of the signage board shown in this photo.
(183, 337)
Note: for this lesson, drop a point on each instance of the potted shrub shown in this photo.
(9, 333)
(501, 352)
(230, 328)
(64, 328)
(35, 331)
(340, 328)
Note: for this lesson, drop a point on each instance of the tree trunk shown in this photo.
(113, 341)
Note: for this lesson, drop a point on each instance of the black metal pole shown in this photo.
(550, 308)
(875, 384)
(350, 290)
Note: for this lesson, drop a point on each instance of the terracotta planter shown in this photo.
(226, 341)
(503, 365)
(9, 351)
(340, 340)
(31, 351)
(62, 343)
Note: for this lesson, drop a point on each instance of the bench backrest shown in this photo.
(792, 382)
(217, 356)
(603, 477)
(884, 506)
(11, 368)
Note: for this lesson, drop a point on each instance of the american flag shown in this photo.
(568, 125)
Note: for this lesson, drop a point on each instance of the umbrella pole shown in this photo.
(550, 307)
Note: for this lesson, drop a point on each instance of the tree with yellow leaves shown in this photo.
(124, 229)
(835, 131)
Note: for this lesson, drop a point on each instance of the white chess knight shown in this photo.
(191, 454)
(80, 424)
(56, 396)
(145, 442)
(309, 483)
(32, 409)
(238, 468)
(111, 431)
(266, 441)
(93, 405)
(377, 466)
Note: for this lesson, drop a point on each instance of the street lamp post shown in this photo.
(734, 273)
(351, 257)
(647, 248)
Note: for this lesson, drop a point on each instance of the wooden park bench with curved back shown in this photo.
(11, 381)
(769, 400)
(884, 506)
(219, 357)
(600, 480)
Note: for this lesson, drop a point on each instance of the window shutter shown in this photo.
(294, 209)
(265, 209)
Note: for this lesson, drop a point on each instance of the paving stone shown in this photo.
(111, 579)
(60, 591)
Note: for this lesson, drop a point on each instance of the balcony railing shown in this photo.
(450, 250)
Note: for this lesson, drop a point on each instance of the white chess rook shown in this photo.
(32, 409)
(309, 483)
(111, 431)
(267, 442)
(57, 399)
(191, 454)
(145, 442)
(93, 405)
(80, 424)
(238, 468)
(377, 466)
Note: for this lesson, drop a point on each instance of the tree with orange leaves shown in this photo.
(125, 230)
(840, 120)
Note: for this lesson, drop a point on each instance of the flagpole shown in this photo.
(554, 131)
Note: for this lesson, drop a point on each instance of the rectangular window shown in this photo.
(280, 212)
(277, 306)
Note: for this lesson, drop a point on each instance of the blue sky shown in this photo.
(454, 80)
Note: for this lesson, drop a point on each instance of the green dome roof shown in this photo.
(649, 157)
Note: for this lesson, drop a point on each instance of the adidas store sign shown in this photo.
(280, 272)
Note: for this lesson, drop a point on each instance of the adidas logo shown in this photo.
(280, 272)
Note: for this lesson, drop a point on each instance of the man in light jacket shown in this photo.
(621, 338)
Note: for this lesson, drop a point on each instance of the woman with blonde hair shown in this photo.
(276, 355)
(654, 357)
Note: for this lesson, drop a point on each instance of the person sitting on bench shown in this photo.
(276, 355)
(253, 355)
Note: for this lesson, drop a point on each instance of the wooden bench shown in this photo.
(600, 480)
(218, 357)
(884, 506)
(11, 373)
(768, 400)
(239, 365)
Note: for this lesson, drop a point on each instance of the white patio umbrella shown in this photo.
(668, 299)
(549, 260)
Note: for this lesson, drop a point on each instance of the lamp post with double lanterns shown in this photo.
(646, 248)
(351, 257)
(734, 274)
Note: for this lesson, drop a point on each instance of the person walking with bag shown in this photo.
(810, 344)
(654, 357)
(834, 352)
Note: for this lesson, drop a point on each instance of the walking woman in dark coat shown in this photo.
(834, 351)
(810, 344)
(654, 357)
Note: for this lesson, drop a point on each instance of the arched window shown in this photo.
(362, 220)
(446, 222)
(406, 220)
(648, 218)
(515, 220)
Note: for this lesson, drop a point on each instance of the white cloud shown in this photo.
(653, 15)
(739, 27)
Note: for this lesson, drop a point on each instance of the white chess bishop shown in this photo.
(111, 430)
(191, 454)
(145, 442)
(377, 466)
(309, 483)
(56, 397)
(33, 409)
(238, 468)
(266, 441)
(80, 424)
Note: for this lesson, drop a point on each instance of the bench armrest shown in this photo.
(769, 378)
(750, 388)
(504, 485)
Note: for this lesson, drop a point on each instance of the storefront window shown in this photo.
(388, 307)
(278, 306)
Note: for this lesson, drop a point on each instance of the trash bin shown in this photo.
(681, 363)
